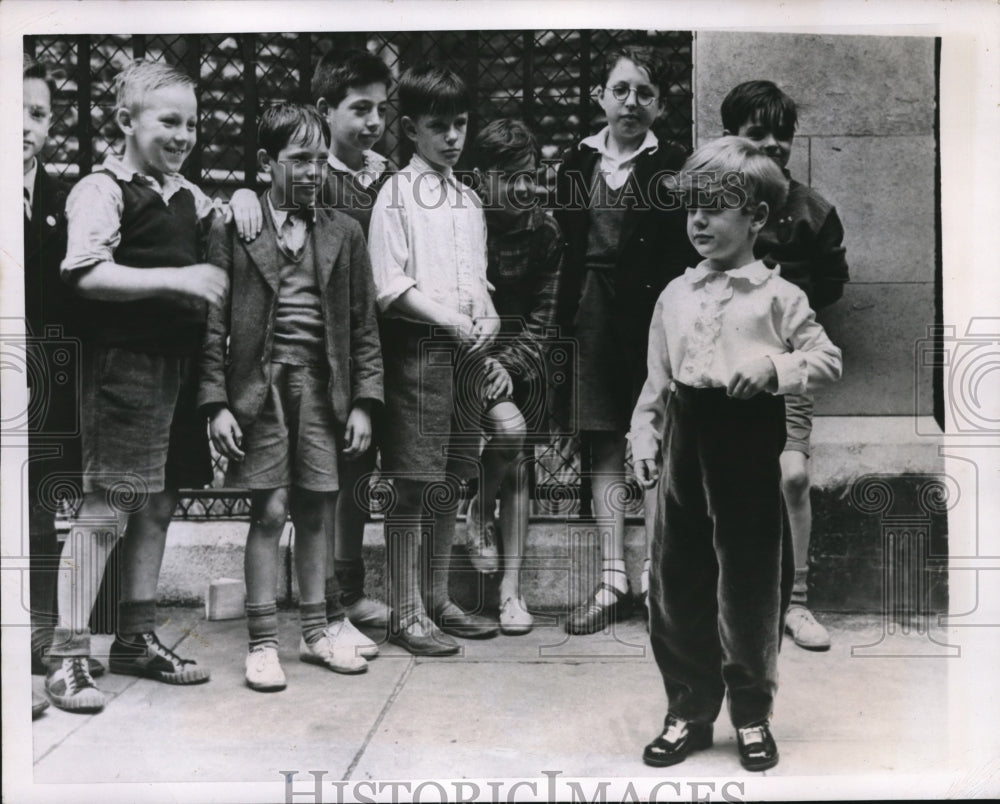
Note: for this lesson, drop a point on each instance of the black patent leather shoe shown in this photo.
(594, 616)
(455, 621)
(679, 738)
(758, 751)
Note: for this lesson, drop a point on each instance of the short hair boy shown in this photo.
(47, 304)
(524, 249)
(728, 339)
(428, 249)
(805, 237)
(350, 90)
(133, 252)
(289, 400)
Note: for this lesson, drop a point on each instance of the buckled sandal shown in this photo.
(595, 616)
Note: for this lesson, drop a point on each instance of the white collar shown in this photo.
(599, 142)
(171, 181)
(420, 165)
(279, 216)
(374, 163)
(756, 273)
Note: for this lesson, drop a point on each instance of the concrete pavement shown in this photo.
(508, 707)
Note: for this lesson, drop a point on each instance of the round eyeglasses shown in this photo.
(644, 96)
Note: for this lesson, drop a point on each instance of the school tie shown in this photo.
(27, 204)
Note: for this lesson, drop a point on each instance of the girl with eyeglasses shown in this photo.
(624, 243)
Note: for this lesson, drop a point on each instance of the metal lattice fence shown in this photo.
(546, 78)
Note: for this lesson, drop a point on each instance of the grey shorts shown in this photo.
(141, 430)
(295, 439)
(798, 422)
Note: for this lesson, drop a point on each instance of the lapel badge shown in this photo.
(50, 220)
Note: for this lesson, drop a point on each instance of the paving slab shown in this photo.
(589, 711)
(507, 707)
(222, 730)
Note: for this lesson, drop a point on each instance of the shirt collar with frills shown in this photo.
(756, 273)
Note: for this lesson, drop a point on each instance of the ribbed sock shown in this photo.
(312, 616)
(66, 642)
(262, 624)
(135, 617)
(351, 577)
(403, 569)
(334, 599)
(436, 566)
(800, 586)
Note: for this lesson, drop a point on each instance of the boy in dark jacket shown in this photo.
(805, 238)
(291, 399)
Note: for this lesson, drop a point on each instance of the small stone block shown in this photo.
(226, 599)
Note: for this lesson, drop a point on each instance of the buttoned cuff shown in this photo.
(792, 371)
(644, 446)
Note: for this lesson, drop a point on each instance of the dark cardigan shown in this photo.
(653, 247)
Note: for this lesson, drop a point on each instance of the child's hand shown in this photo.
(498, 381)
(484, 330)
(226, 435)
(203, 282)
(646, 473)
(462, 326)
(753, 377)
(244, 209)
(358, 433)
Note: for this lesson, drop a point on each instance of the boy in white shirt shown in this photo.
(724, 332)
(428, 253)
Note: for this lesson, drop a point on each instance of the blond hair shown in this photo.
(141, 77)
(731, 172)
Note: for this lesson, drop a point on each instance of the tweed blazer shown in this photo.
(237, 373)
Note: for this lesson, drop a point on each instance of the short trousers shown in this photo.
(294, 440)
(141, 429)
(431, 423)
(798, 422)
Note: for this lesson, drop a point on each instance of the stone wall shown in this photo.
(866, 142)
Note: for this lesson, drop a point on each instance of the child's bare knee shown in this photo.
(309, 509)
(269, 510)
(795, 476)
(160, 507)
(506, 426)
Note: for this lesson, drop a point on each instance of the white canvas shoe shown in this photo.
(263, 670)
(343, 634)
(332, 655)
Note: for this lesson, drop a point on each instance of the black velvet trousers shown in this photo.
(722, 564)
